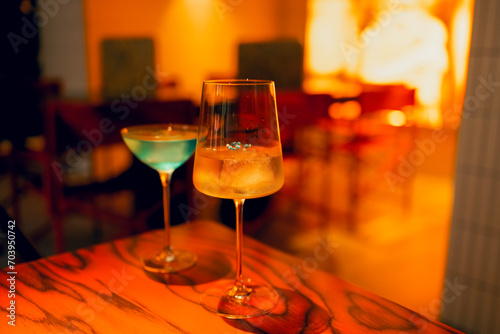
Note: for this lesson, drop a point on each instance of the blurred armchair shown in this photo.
(356, 146)
(87, 170)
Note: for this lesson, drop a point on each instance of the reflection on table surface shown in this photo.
(103, 289)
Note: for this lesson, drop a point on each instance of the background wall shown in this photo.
(194, 39)
(471, 295)
(62, 45)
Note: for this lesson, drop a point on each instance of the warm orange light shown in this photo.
(396, 118)
(330, 24)
(349, 110)
(410, 50)
(460, 41)
(193, 39)
(408, 43)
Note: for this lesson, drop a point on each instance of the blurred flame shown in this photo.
(461, 28)
(349, 110)
(411, 50)
(406, 45)
(395, 118)
(328, 27)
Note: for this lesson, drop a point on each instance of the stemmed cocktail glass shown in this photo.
(164, 147)
(238, 156)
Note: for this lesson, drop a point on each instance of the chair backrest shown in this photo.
(74, 129)
(73, 123)
(375, 98)
(297, 109)
(278, 60)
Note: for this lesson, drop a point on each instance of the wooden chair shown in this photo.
(365, 142)
(296, 111)
(22, 158)
(74, 132)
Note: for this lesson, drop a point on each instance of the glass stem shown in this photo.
(240, 289)
(166, 177)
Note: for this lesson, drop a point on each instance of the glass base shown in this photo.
(170, 261)
(249, 300)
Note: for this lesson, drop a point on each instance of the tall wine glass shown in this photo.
(164, 147)
(238, 156)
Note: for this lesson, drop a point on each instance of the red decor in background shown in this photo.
(357, 133)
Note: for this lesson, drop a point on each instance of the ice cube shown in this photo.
(248, 175)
